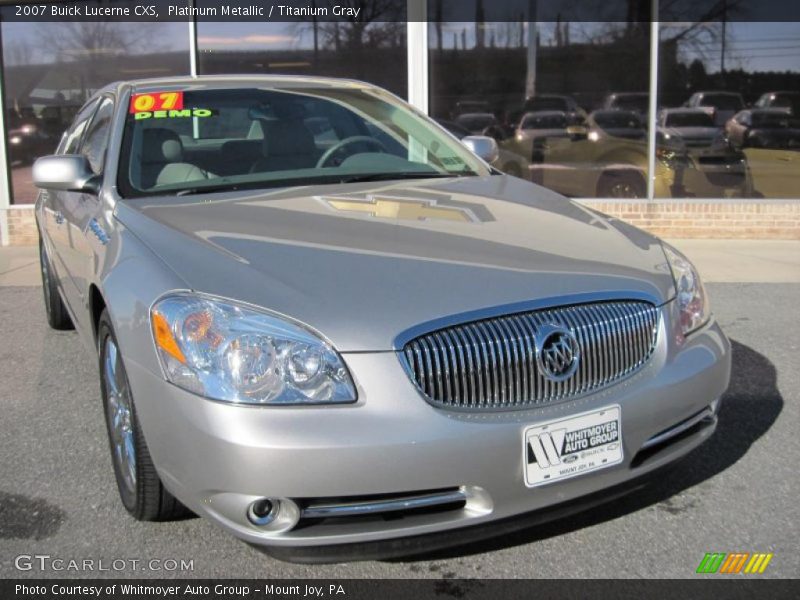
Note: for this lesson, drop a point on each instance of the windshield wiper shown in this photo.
(208, 189)
(403, 175)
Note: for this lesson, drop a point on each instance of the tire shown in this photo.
(140, 488)
(621, 184)
(57, 316)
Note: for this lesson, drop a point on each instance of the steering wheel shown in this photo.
(353, 139)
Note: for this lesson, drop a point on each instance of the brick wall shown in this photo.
(723, 219)
(22, 227)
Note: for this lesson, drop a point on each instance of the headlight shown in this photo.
(230, 352)
(692, 298)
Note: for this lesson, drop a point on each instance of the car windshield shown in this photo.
(722, 101)
(790, 101)
(475, 122)
(638, 103)
(544, 122)
(179, 142)
(689, 119)
(618, 119)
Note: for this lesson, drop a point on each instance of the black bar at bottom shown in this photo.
(395, 589)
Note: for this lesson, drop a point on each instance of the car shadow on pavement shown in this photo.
(749, 408)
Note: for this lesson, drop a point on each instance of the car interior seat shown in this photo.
(287, 145)
(162, 160)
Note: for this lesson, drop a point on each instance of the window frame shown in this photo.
(81, 150)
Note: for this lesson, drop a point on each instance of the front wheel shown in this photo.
(621, 184)
(140, 488)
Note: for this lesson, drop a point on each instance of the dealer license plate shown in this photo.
(571, 446)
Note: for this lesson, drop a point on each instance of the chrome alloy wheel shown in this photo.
(120, 417)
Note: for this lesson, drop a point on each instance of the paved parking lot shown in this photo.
(738, 492)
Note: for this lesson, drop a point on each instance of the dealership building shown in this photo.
(684, 123)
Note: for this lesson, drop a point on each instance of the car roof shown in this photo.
(694, 111)
(717, 93)
(627, 94)
(545, 113)
(234, 81)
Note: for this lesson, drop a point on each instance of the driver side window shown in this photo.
(96, 143)
(72, 138)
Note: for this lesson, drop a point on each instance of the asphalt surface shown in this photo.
(738, 492)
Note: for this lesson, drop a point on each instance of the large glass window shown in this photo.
(551, 92)
(372, 49)
(729, 98)
(51, 69)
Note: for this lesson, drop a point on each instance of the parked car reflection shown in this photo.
(633, 101)
(616, 123)
(764, 128)
(694, 126)
(790, 100)
(548, 102)
(476, 123)
(720, 105)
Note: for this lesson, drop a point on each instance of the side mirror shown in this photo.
(66, 172)
(485, 147)
(577, 132)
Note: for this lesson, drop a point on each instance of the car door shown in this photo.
(51, 202)
(84, 233)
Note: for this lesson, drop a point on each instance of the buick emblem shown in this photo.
(557, 352)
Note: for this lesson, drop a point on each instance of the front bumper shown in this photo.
(217, 458)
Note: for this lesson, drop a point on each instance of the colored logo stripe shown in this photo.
(758, 563)
(734, 562)
(711, 562)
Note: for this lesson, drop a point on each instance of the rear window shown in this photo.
(698, 119)
(544, 122)
(618, 120)
(722, 101)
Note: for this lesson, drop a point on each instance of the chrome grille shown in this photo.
(491, 364)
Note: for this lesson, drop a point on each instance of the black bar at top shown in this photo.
(488, 11)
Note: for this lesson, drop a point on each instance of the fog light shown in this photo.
(264, 511)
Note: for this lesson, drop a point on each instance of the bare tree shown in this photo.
(378, 24)
(97, 40)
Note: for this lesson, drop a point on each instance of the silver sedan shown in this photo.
(333, 329)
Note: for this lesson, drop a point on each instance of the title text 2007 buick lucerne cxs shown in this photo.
(328, 326)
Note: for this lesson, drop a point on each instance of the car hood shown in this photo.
(693, 132)
(367, 265)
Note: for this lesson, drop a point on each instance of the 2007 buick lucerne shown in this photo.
(327, 325)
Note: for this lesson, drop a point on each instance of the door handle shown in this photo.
(59, 217)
